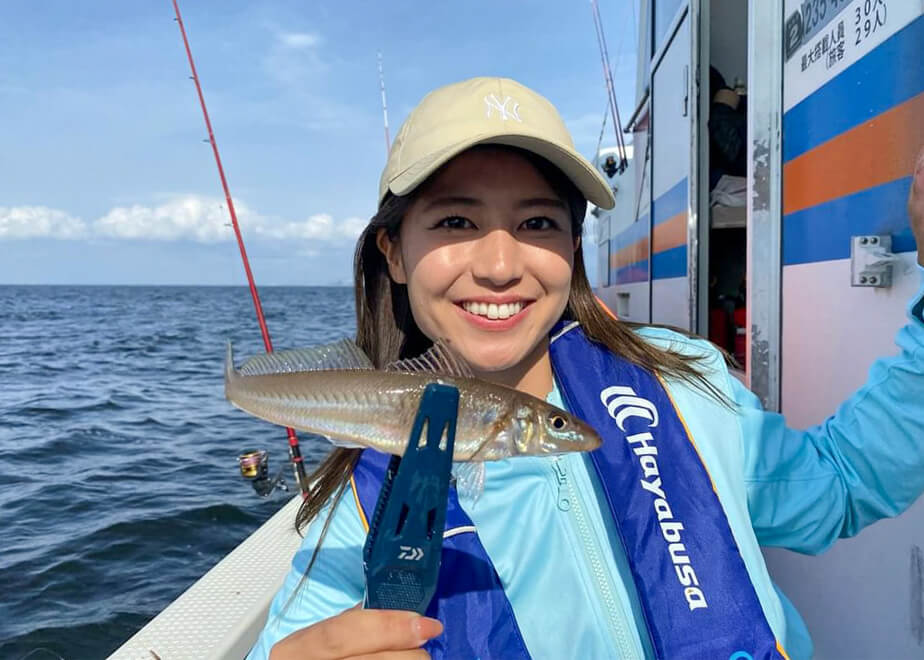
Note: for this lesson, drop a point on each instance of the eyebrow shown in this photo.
(460, 200)
(541, 201)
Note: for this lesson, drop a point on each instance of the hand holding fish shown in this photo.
(355, 633)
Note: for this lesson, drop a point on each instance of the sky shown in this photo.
(105, 174)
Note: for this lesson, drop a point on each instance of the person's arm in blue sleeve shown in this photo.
(808, 488)
(335, 583)
(866, 462)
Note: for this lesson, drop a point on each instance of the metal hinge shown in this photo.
(871, 261)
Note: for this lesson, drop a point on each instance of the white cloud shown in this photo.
(298, 64)
(201, 219)
(188, 217)
(294, 58)
(298, 40)
(39, 222)
(320, 227)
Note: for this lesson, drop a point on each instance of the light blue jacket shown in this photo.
(559, 559)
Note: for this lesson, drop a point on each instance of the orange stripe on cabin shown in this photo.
(671, 233)
(878, 151)
(630, 254)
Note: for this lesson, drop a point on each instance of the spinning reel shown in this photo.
(254, 466)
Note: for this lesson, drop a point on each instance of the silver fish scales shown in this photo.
(333, 391)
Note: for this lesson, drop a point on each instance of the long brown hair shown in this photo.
(386, 330)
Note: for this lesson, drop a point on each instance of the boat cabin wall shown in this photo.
(851, 116)
(853, 122)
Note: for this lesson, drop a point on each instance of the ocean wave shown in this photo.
(118, 450)
(78, 640)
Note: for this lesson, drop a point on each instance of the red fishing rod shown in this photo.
(295, 453)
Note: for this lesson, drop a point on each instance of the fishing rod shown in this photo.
(384, 104)
(295, 454)
(610, 88)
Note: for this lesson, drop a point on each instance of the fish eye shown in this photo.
(558, 422)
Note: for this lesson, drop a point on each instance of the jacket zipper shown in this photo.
(571, 503)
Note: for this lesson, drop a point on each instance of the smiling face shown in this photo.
(486, 250)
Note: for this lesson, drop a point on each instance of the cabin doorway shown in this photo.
(723, 177)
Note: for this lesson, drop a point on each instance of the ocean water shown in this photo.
(119, 484)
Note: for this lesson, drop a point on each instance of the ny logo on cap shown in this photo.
(491, 102)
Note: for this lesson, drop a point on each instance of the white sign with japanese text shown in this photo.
(821, 38)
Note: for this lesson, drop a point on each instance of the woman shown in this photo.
(649, 547)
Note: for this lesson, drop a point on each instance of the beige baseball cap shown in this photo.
(456, 117)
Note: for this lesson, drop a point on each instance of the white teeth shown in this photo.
(492, 310)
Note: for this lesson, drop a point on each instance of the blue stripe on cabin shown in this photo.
(671, 203)
(670, 263)
(890, 74)
(822, 233)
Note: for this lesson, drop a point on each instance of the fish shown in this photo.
(334, 391)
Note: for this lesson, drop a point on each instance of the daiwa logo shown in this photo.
(622, 403)
(411, 553)
(492, 104)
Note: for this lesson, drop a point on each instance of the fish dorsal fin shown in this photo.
(440, 359)
(343, 354)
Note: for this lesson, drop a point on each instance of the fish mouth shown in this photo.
(595, 443)
(500, 308)
(588, 440)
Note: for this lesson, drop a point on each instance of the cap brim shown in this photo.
(574, 166)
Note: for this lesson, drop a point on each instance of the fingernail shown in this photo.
(426, 628)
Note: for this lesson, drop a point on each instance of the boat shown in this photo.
(831, 93)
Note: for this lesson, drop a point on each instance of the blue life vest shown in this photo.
(692, 583)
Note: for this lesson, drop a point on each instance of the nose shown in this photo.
(497, 258)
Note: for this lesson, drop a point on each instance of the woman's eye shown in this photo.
(539, 224)
(454, 222)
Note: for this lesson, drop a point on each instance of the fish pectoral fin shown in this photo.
(343, 354)
(469, 479)
(440, 359)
